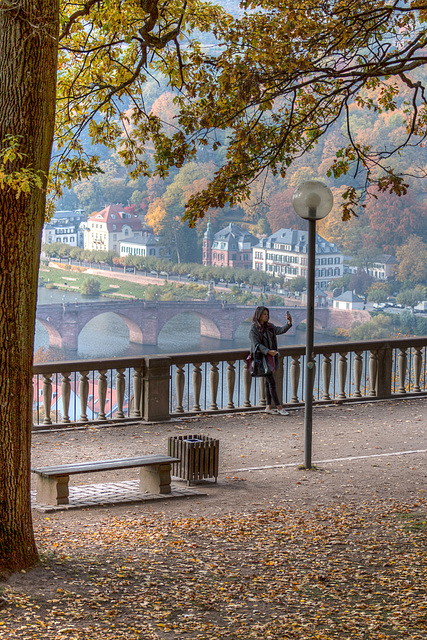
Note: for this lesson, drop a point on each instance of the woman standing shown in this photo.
(263, 341)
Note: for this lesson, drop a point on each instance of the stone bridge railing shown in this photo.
(157, 388)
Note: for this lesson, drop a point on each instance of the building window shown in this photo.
(233, 256)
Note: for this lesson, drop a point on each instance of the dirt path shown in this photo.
(362, 452)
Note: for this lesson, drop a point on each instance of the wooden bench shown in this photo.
(154, 475)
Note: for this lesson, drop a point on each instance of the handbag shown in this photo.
(259, 367)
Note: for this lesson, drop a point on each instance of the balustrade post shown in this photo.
(137, 396)
(295, 375)
(384, 371)
(403, 363)
(65, 395)
(120, 392)
(231, 380)
(156, 388)
(84, 394)
(179, 387)
(278, 375)
(247, 383)
(213, 381)
(102, 393)
(373, 373)
(326, 375)
(342, 375)
(197, 386)
(418, 363)
(358, 370)
(47, 397)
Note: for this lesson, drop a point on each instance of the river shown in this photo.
(107, 336)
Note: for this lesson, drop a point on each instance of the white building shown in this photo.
(64, 227)
(105, 230)
(145, 245)
(383, 267)
(285, 254)
(348, 301)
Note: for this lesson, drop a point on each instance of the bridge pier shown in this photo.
(150, 331)
(70, 330)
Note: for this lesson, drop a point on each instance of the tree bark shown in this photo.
(28, 68)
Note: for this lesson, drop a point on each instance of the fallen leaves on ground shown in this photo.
(342, 572)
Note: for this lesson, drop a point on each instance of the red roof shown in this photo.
(115, 215)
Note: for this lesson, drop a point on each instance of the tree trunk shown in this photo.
(28, 67)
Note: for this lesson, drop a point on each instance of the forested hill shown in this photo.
(385, 223)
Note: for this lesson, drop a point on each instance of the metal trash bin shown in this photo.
(198, 456)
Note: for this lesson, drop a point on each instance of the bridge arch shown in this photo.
(241, 320)
(208, 326)
(108, 318)
(55, 337)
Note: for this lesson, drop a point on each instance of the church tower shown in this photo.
(208, 238)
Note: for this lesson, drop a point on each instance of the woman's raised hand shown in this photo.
(288, 317)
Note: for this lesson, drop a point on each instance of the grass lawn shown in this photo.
(113, 287)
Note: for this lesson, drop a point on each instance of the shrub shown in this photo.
(90, 287)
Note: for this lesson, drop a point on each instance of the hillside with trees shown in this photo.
(384, 220)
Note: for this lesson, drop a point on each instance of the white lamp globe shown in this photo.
(312, 200)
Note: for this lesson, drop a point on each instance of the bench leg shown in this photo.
(53, 490)
(155, 478)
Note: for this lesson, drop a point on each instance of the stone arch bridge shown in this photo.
(145, 320)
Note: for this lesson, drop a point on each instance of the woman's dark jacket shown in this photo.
(264, 339)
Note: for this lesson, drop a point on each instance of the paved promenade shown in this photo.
(362, 452)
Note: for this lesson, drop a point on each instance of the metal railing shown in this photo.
(156, 388)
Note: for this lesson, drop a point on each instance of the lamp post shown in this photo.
(312, 201)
